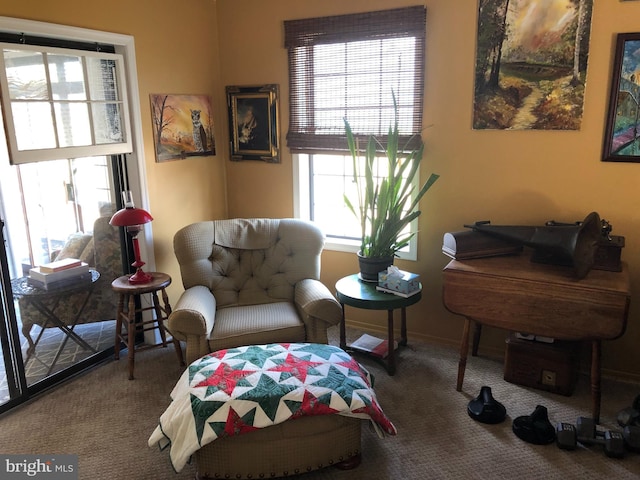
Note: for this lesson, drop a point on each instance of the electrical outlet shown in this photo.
(549, 378)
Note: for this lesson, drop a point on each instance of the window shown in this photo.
(349, 66)
(63, 103)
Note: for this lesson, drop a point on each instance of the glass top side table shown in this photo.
(40, 299)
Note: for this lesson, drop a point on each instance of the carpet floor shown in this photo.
(99, 335)
(106, 420)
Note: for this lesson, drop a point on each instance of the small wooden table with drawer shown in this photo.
(515, 294)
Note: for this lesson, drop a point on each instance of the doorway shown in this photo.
(60, 205)
(52, 211)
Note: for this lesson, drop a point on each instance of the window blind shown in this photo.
(350, 66)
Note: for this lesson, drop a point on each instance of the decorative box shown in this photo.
(608, 253)
(546, 366)
(399, 281)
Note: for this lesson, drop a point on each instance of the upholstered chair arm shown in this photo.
(318, 308)
(192, 320)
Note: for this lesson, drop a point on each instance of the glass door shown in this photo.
(12, 379)
(52, 211)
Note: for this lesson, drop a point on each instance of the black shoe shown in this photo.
(484, 408)
(535, 428)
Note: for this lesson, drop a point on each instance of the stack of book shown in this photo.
(58, 274)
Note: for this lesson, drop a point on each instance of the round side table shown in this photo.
(127, 297)
(356, 293)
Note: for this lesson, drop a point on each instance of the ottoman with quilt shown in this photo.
(265, 411)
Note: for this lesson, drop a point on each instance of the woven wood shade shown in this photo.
(348, 66)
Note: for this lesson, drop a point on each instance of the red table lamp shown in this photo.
(132, 219)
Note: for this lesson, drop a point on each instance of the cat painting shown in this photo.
(199, 134)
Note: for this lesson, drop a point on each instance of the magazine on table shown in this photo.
(373, 345)
(399, 294)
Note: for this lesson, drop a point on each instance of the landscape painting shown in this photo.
(182, 126)
(622, 135)
(531, 64)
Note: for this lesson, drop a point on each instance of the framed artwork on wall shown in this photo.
(622, 132)
(531, 64)
(253, 123)
(182, 126)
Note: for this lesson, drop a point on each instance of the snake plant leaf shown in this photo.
(385, 205)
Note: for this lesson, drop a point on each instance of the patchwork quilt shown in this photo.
(238, 390)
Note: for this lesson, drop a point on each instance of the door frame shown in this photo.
(135, 161)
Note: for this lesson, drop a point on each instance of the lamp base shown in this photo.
(140, 277)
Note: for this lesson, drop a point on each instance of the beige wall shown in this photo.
(509, 177)
(519, 177)
(176, 52)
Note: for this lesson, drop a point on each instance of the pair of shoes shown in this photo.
(534, 428)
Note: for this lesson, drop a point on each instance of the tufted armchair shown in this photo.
(248, 282)
(101, 250)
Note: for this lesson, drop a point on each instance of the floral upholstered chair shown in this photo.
(101, 250)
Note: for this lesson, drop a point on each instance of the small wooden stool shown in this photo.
(125, 289)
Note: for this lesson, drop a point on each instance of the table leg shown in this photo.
(464, 351)
(51, 317)
(131, 334)
(119, 315)
(158, 310)
(403, 327)
(71, 334)
(47, 318)
(343, 333)
(32, 349)
(391, 357)
(55, 321)
(477, 331)
(595, 379)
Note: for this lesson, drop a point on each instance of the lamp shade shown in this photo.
(128, 217)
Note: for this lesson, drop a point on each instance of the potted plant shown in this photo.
(384, 206)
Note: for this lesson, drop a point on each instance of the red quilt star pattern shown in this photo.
(238, 390)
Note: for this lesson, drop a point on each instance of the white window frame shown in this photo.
(302, 210)
(35, 154)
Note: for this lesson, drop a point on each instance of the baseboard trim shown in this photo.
(491, 352)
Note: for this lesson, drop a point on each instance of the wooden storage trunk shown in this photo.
(547, 366)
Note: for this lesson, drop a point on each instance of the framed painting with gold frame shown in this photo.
(253, 123)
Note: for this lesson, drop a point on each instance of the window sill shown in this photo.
(350, 246)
